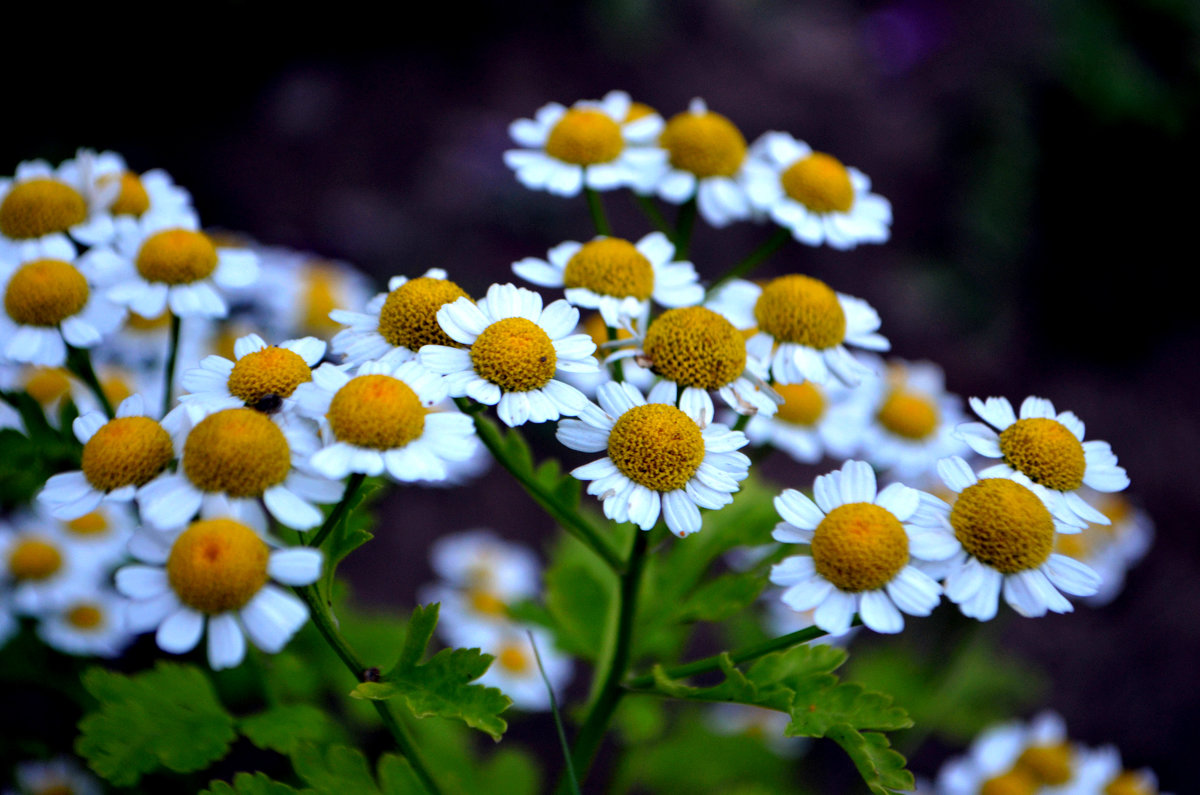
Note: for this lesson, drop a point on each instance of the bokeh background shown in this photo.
(1040, 158)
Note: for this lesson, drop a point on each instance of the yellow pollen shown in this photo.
(706, 144)
(139, 323)
(90, 524)
(656, 446)
(217, 565)
(611, 266)
(408, 318)
(1003, 524)
(270, 371)
(45, 292)
(513, 659)
(1015, 782)
(803, 404)
(321, 295)
(585, 137)
(176, 256)
(1128, 782)
(132, 199)
(1049, 764)
(820, 182)
(487, 603)
(859, 547)
(116, 388)
(910, 415)
(515, 354)
(127, 451)
(33, 558)
(85, 616)
(1045, 451)
(40, 207)
(48, 384)
(801, 310)
(239, 452)
(638, 110)
(695, 346)
(376, 411)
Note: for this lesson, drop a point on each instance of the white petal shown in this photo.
(295, 566)
(181, 631)
(291, 509)
(272, 617)
(798, 510)
(879, 613)
(142, 582)
(226, 644)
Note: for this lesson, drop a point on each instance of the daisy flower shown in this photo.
(100, 536)
(120, 456)
(1049, 450)
(706, 153)
(55, 777)
(479, 559)
(814, 195)
(1012, 757)
(49, 304)
(403, 319)
(1005, 537)
(41, 566)
(659, 459)
(109, 183)
(89, 623)
(263, 377)
(381, 420)
(616, 276)
(758, 723)
(594, 326)
(216, 572)
(515, 669)
(803, 328)
(1101, 770)
(600, 145)
(299, 290)
(515, 348)
(230, 460)
(812, 422)
(1110, 549)
(41, 202)
(862, 547)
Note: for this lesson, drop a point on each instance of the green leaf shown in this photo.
(167, 717)
(722, 597)
(256, 784)
(578, 599)
(350, 532)
(282, 728)
(440, 686)
(334, 770)
(397, 777)
(881, 768)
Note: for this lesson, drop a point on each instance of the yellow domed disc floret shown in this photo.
(34, 559)
(585, 137)
(176, 256)
(1128, 782)
(1049, 764)
(696, 347)
(40, 207)
(127, 451)
(1045, 451)
(487, 603)
(515, 354)
(90, 524)
(217, 565)
(1003, 524)
(270, 371)
(376, 411)
(801, 310)
(48, 384)
(803, 404)
(239, 452)
(909, 415)
(408, 318)
(706, 144)
(610, 266)
(859, 547)
(1015, 782)
(85, 616)
(656, 446)
(132, 198)
(514, 659)
(45, 292)
(820, 182)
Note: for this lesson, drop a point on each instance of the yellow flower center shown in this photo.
(801, 310)
(803, 404)
(376, 411)
(139, 323)
(239, 452)
(638, 110)
(706, 144)
(176, 256)
(217, 565)
(584, 137)
(1015, 782)
(48, 384)
(593, 326)
(45, 292)
(127, 451)
(408, 318)
(695, 346)
(820, 182)
(487, 603)
(515, 354)
(1129, 783)
(40, 207)
(611, 266)
(1075, 545)
(34, 558)
(321, 295)
(1003, 524)
(90, 524)
(1049, 764)
(132, 198)
(1045, 451)
(859, 547)
(656, 446)
(272, 371)
(910, 415)
(514, 659)
(85, 616)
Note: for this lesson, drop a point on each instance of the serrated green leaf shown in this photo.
(881, 768)
(253, 784)
(419, 633)
(820, 705)
(334, 770)
(167, 717)
(350, 532)
(397, 777)
(282, 728)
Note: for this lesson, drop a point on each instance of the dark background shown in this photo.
(1040, 158)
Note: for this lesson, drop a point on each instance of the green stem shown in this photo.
(753, 259)
(618, 365)
(596, 207)
(339, 510)
(684, 222)
(172, 357)
(558, 724)
(647, 206)
(742, 421)
(79, 362)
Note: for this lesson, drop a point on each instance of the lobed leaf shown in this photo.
(282, 728)
(253, 784)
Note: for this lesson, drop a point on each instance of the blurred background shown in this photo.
(1040, 158)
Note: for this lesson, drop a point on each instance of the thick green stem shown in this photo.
(79, 362)
(684, 222)
(652, 212)
(172, 357)
(753, 259)
(339, 510)
(596, 207)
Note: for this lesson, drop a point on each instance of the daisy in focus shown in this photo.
(514, 349)
(615, 276)
(813, 195)
(803, 328)
(706, 153)
(216, 574)
(1048, 449)
(598, 145)
(659, 459)
(812, 422)
(862, 545)
(42, 202)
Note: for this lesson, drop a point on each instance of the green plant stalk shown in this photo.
(79, 362)
(352, 486)
(753, 259)
(618, 366)
(647, 206)
(172, 357)
(558, 724)
(685, 221)
(596, 208)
